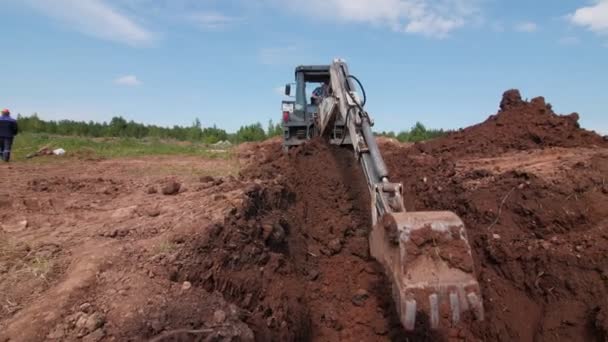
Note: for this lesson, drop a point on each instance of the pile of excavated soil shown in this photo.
(519, 125)
(537, 217)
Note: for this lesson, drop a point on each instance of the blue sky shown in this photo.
(444, 62)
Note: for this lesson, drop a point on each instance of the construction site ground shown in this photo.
(270, 246)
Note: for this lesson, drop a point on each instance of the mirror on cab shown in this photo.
(288, 89)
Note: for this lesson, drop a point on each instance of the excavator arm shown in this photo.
(426, 255)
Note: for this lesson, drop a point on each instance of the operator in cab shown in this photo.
(320, 93)
(8, 131)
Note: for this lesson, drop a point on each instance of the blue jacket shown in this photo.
(8, 127)
(321, 91)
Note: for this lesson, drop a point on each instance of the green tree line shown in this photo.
(417, 133)
(119, 127)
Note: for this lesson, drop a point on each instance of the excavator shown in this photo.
(426, 255)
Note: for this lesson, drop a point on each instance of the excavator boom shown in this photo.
(425, 255)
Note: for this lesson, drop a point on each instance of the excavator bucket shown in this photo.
(428, 259)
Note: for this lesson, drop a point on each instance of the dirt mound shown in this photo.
(519, 125)
(536, 218)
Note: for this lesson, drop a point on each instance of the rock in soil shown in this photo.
(380, 327)
(360, 297)
(172, 188)
(313, 275)
(277, 237)
(15, 227)
(335, 246)
(96, 320)
(206, 179)
(58, 333)
(86, 307)
(153, 212)
(219, 317)
(95, 336)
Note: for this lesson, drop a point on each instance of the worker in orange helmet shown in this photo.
(8, 130)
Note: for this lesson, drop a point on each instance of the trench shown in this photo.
(296, 256)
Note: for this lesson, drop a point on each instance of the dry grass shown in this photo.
(40, 267)
(165, 247)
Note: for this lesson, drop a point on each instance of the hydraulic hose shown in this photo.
(368, 134)
(362, 91)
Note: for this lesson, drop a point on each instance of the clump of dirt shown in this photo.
(454, 250)
(536, 220)
(92, 185)
(171, 188)
(519, 125)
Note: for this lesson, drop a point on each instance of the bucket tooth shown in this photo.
(455, 307)
(434, 308)
(409, 321)
(476, 305)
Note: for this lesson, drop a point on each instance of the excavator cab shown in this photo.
(300, 114)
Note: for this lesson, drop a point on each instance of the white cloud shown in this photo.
(594, 18)
(526, 26)
(433, 18)
(95, 18)
(433, 26)
(212, 20)
(128, 80)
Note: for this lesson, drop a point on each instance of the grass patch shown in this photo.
(40, 267)
(165, 247)
(27, 143)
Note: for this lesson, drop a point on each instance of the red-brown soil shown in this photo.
(279, 252)
(296, 257)
(536, 211)
(518, 126)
